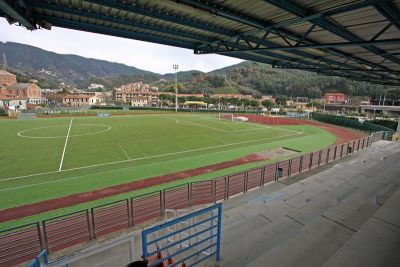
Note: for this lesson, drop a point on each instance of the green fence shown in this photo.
(350, 123)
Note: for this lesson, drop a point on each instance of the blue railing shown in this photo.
(188, 239)
(37, 262)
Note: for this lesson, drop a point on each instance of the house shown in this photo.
(125, 93)
(360, 100)
(50, 92)
(139, 101)
(269, 98)
(31, 91)
(300, 103)
(81, 100)
(335, 98)
(13, 103)
(13, 90)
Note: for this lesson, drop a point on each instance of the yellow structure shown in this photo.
(195, 104)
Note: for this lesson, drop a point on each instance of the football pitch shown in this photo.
(49, 158)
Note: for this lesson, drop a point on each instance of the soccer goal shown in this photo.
(103, 115)
(225, 116)
(26, 116)
(232, 117)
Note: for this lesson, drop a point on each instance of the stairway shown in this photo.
(319, 220)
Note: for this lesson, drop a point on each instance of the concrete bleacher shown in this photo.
(344, 214)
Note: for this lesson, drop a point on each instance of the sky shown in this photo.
(142, 55)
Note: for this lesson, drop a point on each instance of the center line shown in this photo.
(65, 146)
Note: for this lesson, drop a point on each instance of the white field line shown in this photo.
(217, 129)
(123, 150)
(80, 176)
(148, 157)
(230, 122)
(20, 134)
(198, 124)
(65, 145)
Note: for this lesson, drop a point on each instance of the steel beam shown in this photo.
(261, 26)
(102, 17)
(346, 70)
(338, 73)
(212, 28)
(84, 26)
(291, 48)
(67, 23)
(390, 12)
(126, 22)
(17, 14)
(268, 28)
(329, 26)
(179, 20)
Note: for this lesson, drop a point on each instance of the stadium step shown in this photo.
(307, 222)
(376, 243)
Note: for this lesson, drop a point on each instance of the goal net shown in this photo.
(225, 116)
(103, 115)
(232, 117)
(26, 116)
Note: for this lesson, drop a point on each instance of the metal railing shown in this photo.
(188, 239)
(22, 243)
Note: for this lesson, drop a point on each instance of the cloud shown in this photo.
(143, 55)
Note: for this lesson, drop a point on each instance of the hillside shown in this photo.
(184, 76)
(66, 68)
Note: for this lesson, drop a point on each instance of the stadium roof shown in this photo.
(359, 40)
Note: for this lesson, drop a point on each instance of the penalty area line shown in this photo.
(124, 151)
(65, 146)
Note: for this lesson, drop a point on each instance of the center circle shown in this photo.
(30, 132)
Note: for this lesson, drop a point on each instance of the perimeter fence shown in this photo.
(23, 243)
(351, 123)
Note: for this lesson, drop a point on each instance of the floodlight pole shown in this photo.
(176, 87)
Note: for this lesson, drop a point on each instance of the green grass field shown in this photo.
(100, 152)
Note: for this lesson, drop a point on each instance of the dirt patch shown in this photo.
(275, 153)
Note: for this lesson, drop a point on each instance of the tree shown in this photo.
(267, 103)
(314, 104)
(281, 99)
(179, 86)
(254, 103)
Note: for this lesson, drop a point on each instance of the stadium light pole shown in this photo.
(175, 66)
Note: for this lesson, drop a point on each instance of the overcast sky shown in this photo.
(143, 55)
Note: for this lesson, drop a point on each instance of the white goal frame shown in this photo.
(26, 116)
(226, 116)
(234, 117)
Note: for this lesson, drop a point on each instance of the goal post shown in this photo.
(226, 116)
(26, 116)
(103, 114)
(232, 117)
